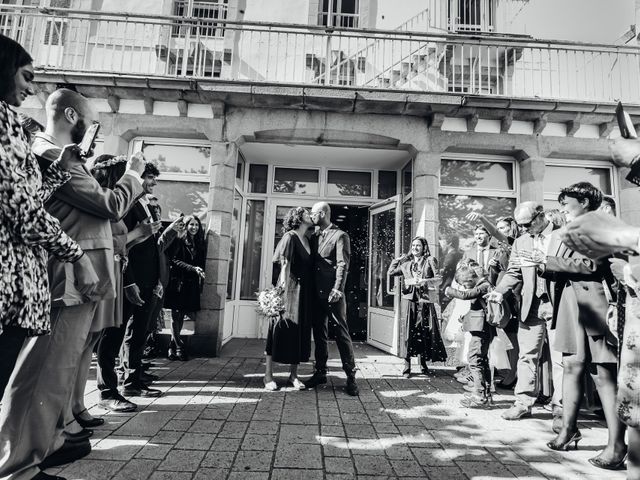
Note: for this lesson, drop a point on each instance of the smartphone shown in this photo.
(627, 130)
(89, 139)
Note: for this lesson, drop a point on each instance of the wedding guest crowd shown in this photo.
(86, 265)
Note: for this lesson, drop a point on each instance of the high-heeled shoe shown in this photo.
(596, 462)
(564, 446)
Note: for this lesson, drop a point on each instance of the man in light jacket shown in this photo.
(32, 415)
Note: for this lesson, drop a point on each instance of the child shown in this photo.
(474, 322)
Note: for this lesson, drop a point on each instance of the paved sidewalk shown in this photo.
(216, 422)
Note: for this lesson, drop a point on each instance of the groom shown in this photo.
(331, 250)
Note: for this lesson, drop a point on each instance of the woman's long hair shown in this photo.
(198, 238)
(425, 245)
(12, 57)
(108, 169)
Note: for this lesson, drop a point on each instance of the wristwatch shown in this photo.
(634, 173)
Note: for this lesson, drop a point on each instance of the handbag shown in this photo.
(612, 310)
(498, 314)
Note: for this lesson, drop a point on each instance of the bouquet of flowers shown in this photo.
(271, 302)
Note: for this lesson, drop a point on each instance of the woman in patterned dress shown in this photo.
(27, 232)
(419, 292)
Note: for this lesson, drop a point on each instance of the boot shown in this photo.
(318, 378)
(352, 386)
(406, 373)
(423, 366)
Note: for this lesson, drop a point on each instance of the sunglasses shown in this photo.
(530, 222)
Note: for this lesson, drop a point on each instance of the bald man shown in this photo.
(32, 414)
(331, 251)
(535, 307)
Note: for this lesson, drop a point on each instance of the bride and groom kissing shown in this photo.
(312, 272)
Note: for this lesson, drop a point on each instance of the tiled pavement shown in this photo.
(216, 422)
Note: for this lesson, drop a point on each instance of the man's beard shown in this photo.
(78, 131)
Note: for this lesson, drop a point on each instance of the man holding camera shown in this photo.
(32, 418)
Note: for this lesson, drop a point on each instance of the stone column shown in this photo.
(207, 338)
(114, 143)
(531, 179)
(426, 168)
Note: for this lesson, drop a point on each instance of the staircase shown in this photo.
(361, 61)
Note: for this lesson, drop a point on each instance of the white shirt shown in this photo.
(542, 240)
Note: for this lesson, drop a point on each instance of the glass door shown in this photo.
(385, 226)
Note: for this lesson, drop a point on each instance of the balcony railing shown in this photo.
(201, 49)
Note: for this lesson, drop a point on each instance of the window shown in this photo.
(258, 178)
(183, 184)
(339, 13)
(55, 32)
(204, 9)
(342, 183)
(296, 180)
(252, 256)
(471, 15)
(387, 184)
(235, 233)
(560, 175)
(407, 178)
(487, 185)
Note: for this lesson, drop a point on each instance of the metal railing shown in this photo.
(148, 46)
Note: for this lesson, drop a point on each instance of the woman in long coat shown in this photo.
(186, 277)
(418, 270)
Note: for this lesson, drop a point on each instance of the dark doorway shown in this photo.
(355, 221)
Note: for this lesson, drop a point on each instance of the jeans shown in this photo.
(478, 359)
(338, 313)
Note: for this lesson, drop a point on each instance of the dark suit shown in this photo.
(331, 252)
(143, 270)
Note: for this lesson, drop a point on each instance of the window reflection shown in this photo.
(177, 197)
(471, 174)
(191, 159)
(383, 231)
(235, 232)
(296, 180)
(345, 183)
(253, 240)
(454, 208)
(556, 177)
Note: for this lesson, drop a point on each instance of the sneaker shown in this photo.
(516, 412)
(118, 404)
(316, 379)
(171, 355)
(465, 380)
(141, 391)
(476, 401)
